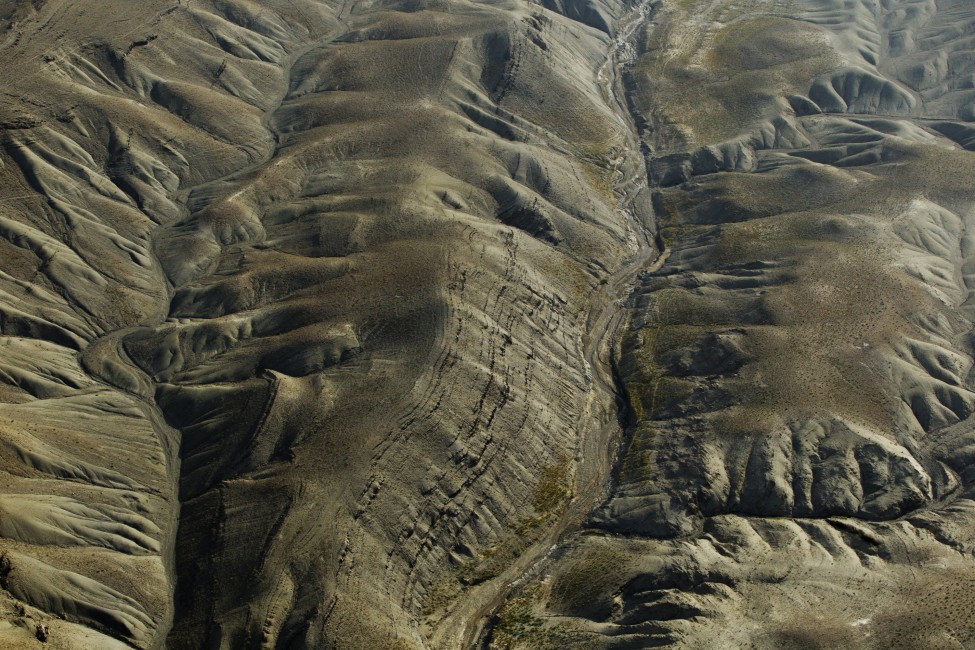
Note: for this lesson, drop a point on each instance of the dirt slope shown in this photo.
(321, 324)
(796, 469)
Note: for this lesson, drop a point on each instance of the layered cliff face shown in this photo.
(297, 311)
(797, 470)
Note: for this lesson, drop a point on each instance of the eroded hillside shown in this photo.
(321, 323)
(796, 473)
(298, 305)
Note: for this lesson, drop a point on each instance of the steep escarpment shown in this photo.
(296, 301)
(796, 469)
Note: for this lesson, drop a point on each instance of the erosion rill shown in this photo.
(447, 324)
(797, 472)
(296, 308)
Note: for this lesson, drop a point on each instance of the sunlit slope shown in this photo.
(796, 472)
(293, 303)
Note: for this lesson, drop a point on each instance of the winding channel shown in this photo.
(468, 624)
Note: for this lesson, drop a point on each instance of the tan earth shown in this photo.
(443, 324)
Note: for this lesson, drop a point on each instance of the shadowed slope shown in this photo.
(799, 367)
(333, 266)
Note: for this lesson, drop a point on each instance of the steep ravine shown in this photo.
(601, 426)
(345, 247)
(798, 365)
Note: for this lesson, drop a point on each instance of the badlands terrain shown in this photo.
(440, 324)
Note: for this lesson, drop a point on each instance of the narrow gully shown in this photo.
(114, 340)
(601, 447)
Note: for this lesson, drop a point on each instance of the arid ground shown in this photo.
(441, 324)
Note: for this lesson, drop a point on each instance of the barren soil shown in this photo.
(445, 324)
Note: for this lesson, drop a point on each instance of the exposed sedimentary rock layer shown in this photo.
(295, 311)
(321, 322)
(796, 472)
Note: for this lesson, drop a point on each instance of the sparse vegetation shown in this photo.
(585, 585)
(518, 626)
(554, 487)
(302, 302)
(552, 493)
